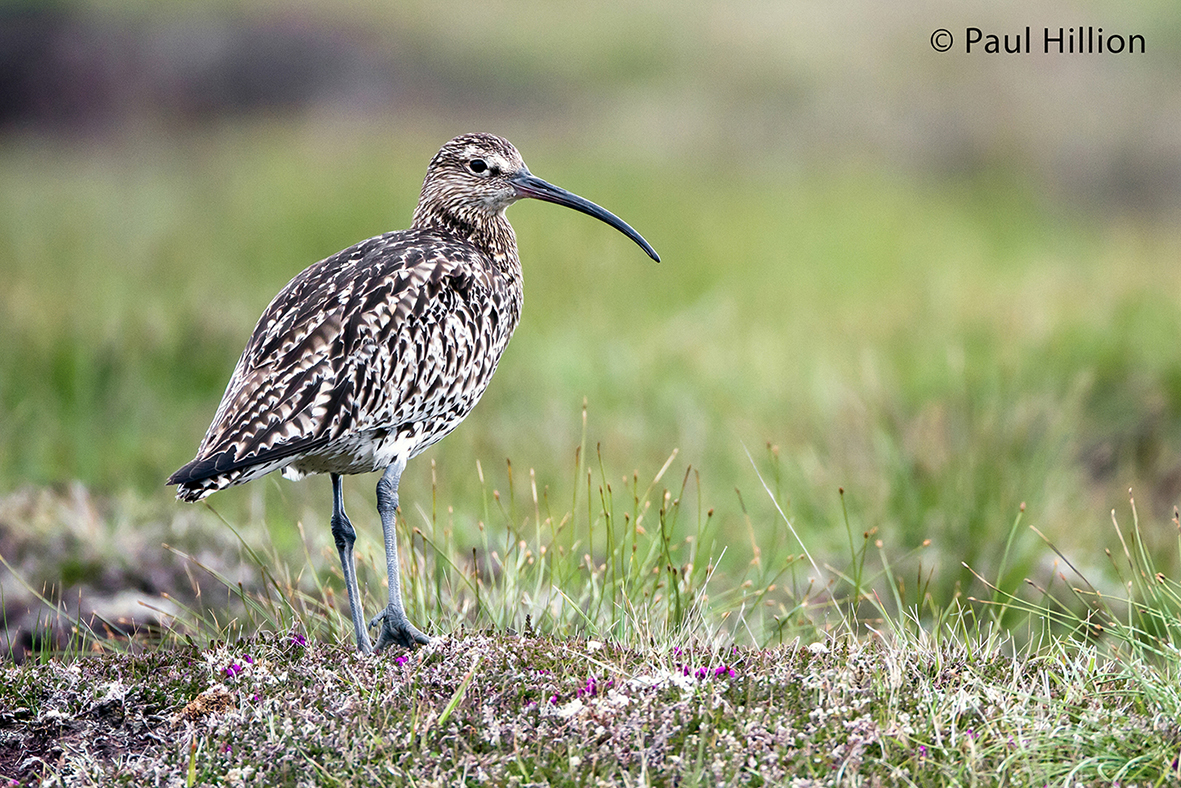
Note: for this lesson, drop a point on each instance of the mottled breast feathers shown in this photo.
(382, 348)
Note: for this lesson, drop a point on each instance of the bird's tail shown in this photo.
(194, 491)
(208, 474)
(199, 479)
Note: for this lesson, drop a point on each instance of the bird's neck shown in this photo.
(492, 235)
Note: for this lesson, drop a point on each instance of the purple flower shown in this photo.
(590, 689)
(554, 698)
(701, 673)
(401, 660)
(228, 749)
(297, 639)
(722, 670)
(234, 670)
(249, 659)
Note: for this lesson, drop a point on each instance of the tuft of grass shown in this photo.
(631, 562)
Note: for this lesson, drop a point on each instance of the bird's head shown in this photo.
(475, 177)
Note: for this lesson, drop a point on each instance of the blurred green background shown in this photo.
(946, 283)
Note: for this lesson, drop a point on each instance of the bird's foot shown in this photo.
(396, 629)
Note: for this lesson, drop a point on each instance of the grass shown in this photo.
(920, 371)
(540, 711)
(945, 353)
(629, 668)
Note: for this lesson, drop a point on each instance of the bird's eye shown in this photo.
(478, 166)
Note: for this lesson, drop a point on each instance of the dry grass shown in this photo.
(509, 709)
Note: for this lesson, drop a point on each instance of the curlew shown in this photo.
(370, 356)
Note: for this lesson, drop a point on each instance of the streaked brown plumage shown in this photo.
(370, 356)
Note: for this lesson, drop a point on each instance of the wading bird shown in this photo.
(370, 356)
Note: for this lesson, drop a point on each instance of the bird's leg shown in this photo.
(395, 627)
(344, 535)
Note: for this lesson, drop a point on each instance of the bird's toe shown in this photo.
(396, 630)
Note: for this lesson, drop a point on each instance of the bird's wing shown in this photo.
(388, 332)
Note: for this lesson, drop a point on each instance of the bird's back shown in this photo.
(372, 354)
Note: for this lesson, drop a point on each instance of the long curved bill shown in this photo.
(529, 185)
